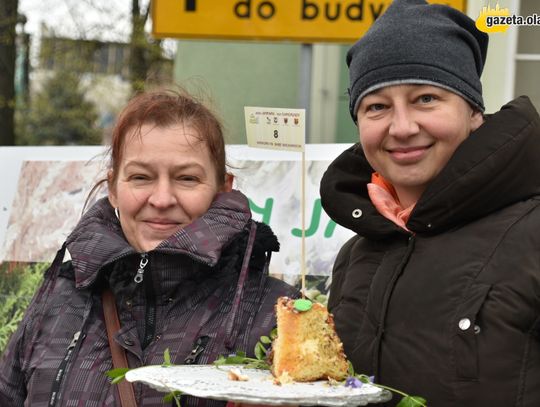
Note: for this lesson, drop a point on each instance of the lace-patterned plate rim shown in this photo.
(209, 381)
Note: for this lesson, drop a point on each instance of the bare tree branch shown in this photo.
(147, 12)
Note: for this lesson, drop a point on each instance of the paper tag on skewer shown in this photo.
(281, 129)
(275, 128)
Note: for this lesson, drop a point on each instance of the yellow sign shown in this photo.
(484, 22)
(285, 20)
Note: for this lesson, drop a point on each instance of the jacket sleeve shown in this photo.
(15, 358)
(12, 380)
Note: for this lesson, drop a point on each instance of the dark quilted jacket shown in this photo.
(450, 311)
(191, 300)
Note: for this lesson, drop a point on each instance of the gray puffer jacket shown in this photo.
(190, 296)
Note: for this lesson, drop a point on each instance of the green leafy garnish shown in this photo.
(118, 374)
(173, 395)
(240, 358)
(356, 380)
(260, 351)
(273, 334)
(412, 401)
(166, 358)
(265, 340)
(350, 370)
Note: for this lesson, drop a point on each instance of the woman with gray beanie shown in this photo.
(438, 294)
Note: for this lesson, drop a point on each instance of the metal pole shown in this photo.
(304, 83)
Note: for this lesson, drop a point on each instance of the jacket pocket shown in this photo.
(466, 330)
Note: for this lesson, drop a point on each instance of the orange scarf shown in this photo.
(384, 197)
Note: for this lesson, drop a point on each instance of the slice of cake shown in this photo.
(307, 347)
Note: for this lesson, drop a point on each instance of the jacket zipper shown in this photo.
(140, 272)
(63, 368)
(150, 301)
(386, 300)
(198, 349)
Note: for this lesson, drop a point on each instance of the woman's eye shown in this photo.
(138, 177)
(187, 178)
(426, 98)
(375, 107)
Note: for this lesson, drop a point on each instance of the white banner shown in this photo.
(46, 189)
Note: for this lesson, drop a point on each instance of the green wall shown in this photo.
(238, 74)
(346, 130)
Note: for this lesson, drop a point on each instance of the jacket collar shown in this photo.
(98, 239)
(495, 166)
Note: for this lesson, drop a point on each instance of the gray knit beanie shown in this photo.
(418, 43)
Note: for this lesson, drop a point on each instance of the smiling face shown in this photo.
(409, 132)
(166, 179)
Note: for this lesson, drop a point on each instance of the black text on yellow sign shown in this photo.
(291, 20)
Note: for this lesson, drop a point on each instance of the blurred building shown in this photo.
(103, 68)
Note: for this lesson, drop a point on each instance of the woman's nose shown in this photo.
(403, 123)
(162, 195)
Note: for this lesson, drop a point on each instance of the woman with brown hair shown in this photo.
(175, 249)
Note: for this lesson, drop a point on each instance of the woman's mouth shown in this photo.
(162, 224)
(404, 155)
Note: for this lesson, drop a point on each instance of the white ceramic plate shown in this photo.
(209, 381)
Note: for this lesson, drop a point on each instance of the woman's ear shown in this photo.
(111, 186)
(477, 119)
(228, 184)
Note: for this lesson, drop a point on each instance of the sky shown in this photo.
(106, 20)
